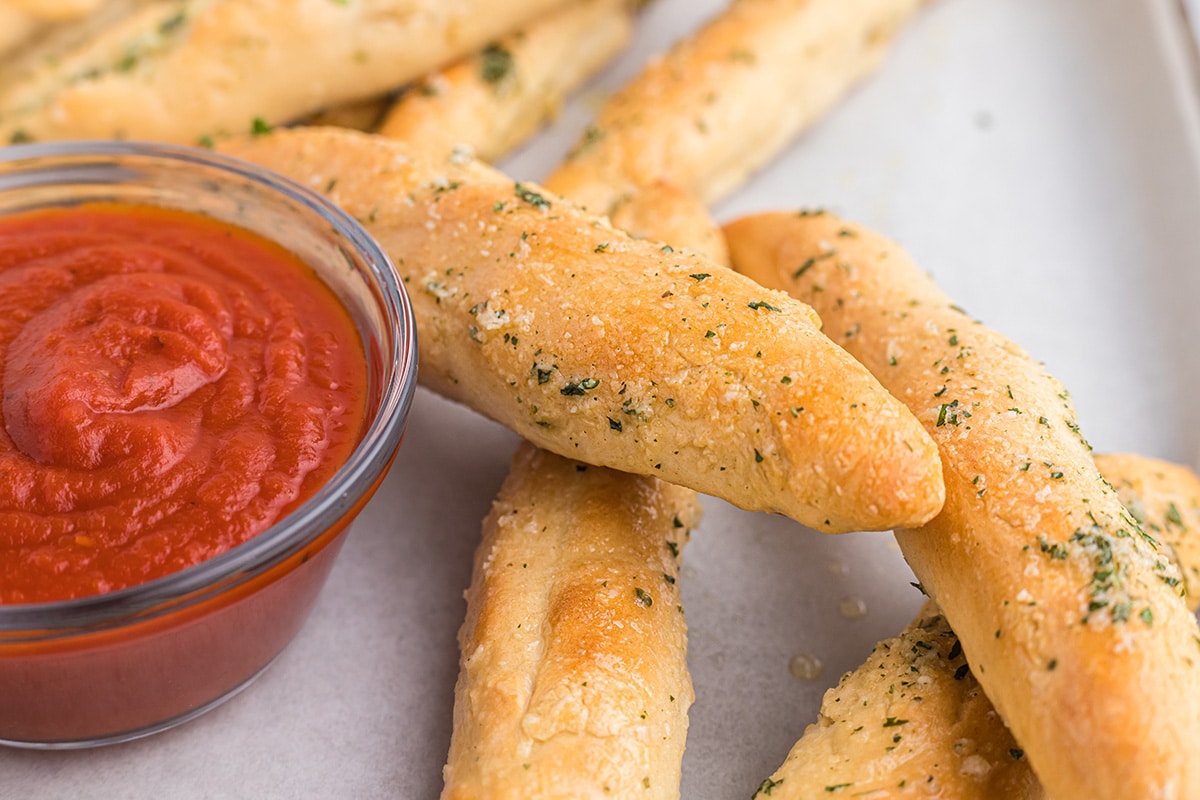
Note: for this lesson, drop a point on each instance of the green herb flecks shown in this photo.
(951, 414)
(580, 388)
(529, 196)
(766, 787)
(812, 262)
(495, 64)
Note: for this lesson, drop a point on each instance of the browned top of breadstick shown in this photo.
(912, 721)
(574, 682)
(723, 101)
(621, 352)
(1070, 617)
(1165, 499)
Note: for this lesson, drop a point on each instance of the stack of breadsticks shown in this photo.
(1059, 659)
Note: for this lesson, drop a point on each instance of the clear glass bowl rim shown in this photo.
(315, 515)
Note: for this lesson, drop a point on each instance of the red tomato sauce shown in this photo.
(172, 385)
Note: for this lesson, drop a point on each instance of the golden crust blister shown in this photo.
(1071, 619)
(626, 353)
(573, 683)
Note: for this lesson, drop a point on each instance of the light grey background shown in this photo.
(1038, 156)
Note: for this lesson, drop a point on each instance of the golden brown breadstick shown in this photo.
(951, 742)
(1070, 617)
(573, 680)
(724, 101)
(495, 99)
(179, 72)
(912, 721)
(1165, 499)
(617, 351)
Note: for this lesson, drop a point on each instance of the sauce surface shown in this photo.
(172, 385)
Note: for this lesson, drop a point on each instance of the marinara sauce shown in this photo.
(172, 385)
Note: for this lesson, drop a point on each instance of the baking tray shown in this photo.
(1039, 157)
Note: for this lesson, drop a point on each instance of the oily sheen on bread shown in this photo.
(1069, 613)
(574, 681)
(176, 71)
(621, 352)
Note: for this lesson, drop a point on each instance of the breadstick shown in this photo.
(664, 212)
(618, 351)
(951, 742)
(1069, 615)
(176, 72)
(573, 681)
(495, 99)
(1165, 499)
(723, 102)
(912, 721)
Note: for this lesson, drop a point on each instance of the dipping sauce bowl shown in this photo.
(121, 664)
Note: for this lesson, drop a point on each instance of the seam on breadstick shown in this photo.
(594, 345)
(1071, 619)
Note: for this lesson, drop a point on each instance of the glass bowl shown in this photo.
(125, 664)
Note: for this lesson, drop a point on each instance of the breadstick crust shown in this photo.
(16, 28)
(180, 72)
(912, 721)
(574, 681)
(496, 99)
(666, 213)
(1071, 619)
(708, 113)
(55, 10)
(620, 352)
(1165, 498)
(953, 744)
